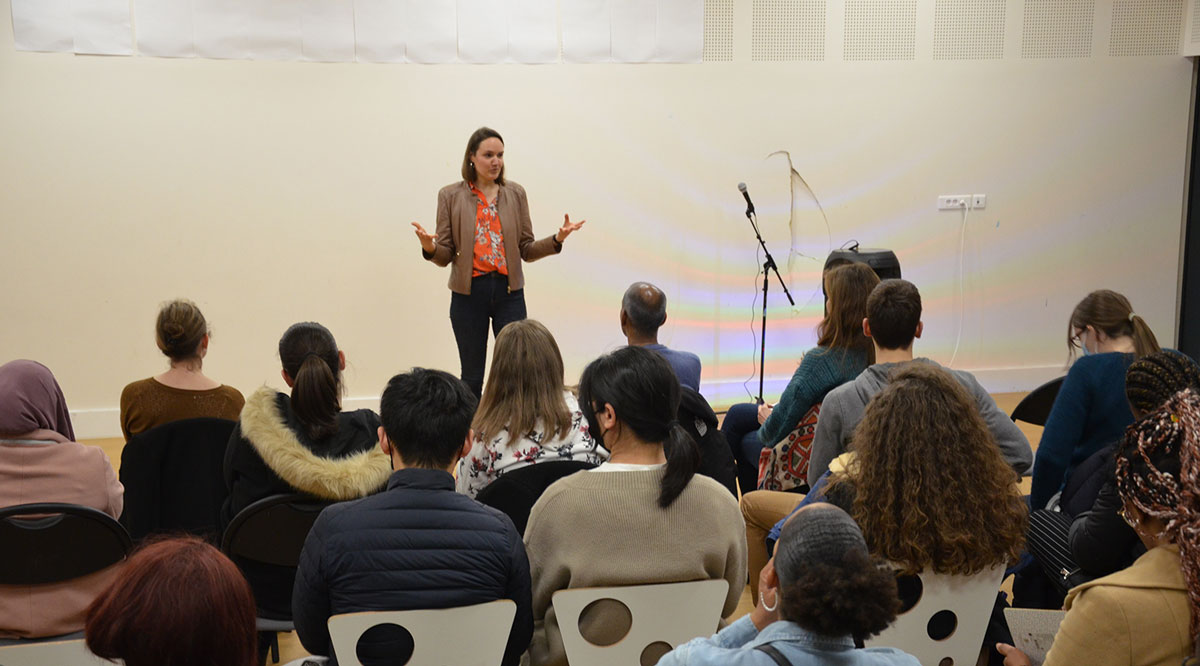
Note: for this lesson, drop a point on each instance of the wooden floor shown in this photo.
(289, 645)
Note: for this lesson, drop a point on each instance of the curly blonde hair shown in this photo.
(931, 491)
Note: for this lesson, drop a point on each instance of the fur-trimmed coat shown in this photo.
(269, 454)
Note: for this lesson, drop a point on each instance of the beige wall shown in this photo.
(277, 192)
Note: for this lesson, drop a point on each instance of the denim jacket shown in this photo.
(734, 646)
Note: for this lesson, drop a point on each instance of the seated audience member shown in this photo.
(643, 312)
(178, 602)
(526, 415)
(300, 444)
(1077, 545)
(40, 462)
(893, 322)
(183, 391)
(1146, 615)
(304, 443)
(418, 544)
(1090, 411)
(842, 353)
(925, 481)
(642, 517)
(826, 592)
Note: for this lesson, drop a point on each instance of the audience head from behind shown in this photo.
(847, 288)
(630, 398)
(1151, 380)
(426, 416)
(33, 403)
(825, 580)
(182, 333)
(930, 489)
(177, 602)
(525, 385)
(312, 368)
(1104, 321)
(893, 316)
(643, 312)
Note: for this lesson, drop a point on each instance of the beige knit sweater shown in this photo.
(595, 529)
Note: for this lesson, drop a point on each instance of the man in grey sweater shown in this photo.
(893, 321)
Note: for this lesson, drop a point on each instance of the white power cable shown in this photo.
(962, 304)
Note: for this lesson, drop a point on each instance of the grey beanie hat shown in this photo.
(817, 534)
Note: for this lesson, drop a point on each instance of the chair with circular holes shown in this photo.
(653, 620)
(942, 618)
(427, 636)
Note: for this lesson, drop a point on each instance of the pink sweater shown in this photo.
(54, 472)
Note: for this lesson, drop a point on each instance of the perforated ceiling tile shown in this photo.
(718, 31)
(968, 29)
(1141, 28)
(880, 30)
(1058, 28)
(787, 30)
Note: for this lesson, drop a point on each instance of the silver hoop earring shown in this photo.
(771, 609)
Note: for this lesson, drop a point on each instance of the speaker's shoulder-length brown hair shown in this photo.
(847, 287)
(524, 387)
(931, 491)
(177, 601)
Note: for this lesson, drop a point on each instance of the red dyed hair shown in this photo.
(178, 602)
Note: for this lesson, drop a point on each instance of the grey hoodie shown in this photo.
(843, 408)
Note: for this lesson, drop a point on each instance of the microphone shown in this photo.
(749, 203)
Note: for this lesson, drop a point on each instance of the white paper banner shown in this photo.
(43, 25)
(432, 29)
(327, 30)
(680, 30)
(483, 31)
(634, 30)
(586, 30)
(103, 27)
(164, 28)
(379, 30)
(247, 29)
(533, 31)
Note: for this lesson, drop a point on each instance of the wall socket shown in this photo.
(961, 201)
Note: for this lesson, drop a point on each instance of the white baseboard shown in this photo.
(105, 422)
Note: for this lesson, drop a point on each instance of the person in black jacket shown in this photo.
(418, 544)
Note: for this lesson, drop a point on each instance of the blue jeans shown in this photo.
(741, 431)
(491, 300)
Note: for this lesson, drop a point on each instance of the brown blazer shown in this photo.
(456, 234)
(1134, 617)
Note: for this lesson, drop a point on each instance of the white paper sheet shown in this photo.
(483, 31)
(103, 27)
(586, 30)
(634, 30)
(327, 30)
(432, 29)
(379, 30)
(43, 25)
(164, 28)
(680, 31)
(533, 31)
(247, 29)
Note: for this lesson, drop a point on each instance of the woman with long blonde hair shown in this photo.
(526, 414)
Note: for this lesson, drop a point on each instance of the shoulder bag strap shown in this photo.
(774, 654)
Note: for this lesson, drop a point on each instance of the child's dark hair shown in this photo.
(644, 393)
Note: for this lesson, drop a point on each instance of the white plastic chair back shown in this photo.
(966, 600)
(438, 635)
(664, 616)
(55, 653)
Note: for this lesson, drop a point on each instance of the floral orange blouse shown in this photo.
(489, 239)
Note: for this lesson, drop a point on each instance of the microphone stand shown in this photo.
(768, 265)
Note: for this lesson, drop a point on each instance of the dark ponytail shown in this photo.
(644, 393)
(310, 356)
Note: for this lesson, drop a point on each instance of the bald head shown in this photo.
(643, 311)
